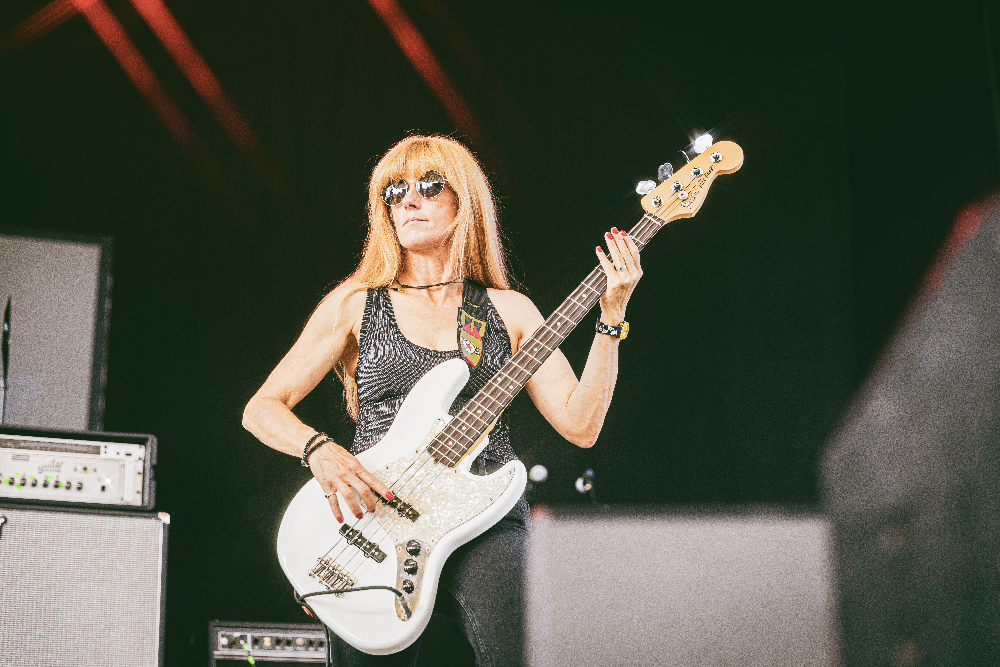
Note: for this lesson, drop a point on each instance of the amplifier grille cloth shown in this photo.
(79, 589)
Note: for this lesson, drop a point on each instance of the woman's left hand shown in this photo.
(623, 270)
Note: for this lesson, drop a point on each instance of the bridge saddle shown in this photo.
(332, 575)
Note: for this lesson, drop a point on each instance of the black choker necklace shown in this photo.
(401, 285)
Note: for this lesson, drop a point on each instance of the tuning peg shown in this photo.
(645, 187)
(665, 171)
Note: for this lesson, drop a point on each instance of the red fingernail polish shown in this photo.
(359, 515)
(614, 229)
(624, 233)
(609, 235)
(598, 248)
(388, 495)
(340, 520)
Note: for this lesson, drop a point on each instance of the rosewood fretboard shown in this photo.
(462, 432)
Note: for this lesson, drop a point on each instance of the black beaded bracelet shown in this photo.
(310, 448)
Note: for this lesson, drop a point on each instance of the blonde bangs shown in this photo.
(476, 250)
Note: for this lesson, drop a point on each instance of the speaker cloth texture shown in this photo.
(81, 588)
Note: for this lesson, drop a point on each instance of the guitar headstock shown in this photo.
(681, 195)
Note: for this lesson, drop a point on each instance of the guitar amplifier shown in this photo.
(77, 468)
(60, 313)
(281, 643)
(698, 589)
(81, 587)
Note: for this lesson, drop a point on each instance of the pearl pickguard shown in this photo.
(453, 506)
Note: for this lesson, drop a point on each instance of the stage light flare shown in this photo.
(37, 25)
(538, 473)
(702, 143)
(413, 45)
(209, 89)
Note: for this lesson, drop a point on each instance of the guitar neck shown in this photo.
(467, 428)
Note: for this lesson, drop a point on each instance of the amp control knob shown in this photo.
(407, 586)
(413, 548)
(410, 566)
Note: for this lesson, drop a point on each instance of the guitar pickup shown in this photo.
(404, 510)
(367, 547)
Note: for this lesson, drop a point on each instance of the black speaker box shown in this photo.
(912, 478)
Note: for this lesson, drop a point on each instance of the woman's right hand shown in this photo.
(337, 471)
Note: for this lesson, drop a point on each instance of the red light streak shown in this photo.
(37, 25)
(963, 228)
(416, 50)
(203, 80)
(110, 31)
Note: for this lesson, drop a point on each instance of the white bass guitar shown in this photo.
(374, 582)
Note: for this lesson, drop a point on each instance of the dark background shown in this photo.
(864, 132)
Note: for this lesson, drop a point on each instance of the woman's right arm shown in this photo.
(329, 333)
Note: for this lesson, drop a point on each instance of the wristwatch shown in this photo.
(620, 332)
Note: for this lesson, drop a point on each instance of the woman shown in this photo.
(432, 223)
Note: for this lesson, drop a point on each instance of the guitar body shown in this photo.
(452, 506)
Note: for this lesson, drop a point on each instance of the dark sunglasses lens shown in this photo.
(394, 192)
(431, 184)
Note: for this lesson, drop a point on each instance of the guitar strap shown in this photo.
(472, 321)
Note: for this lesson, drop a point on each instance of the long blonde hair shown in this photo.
(476, 249)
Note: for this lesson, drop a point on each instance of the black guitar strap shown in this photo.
(472, 321)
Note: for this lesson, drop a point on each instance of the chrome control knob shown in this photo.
(410, 566)
(413, 548)
(407, 586)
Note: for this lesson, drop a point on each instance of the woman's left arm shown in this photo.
(576, 408)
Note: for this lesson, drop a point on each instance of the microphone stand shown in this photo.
(4, 358)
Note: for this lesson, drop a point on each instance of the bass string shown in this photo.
(646, 224)
(379, 512)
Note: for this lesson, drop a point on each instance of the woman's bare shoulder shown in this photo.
(510, 299)
(344, 306)
(517, 311)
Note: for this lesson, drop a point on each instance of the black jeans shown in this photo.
(481, 588)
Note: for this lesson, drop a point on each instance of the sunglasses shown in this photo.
(429, 186)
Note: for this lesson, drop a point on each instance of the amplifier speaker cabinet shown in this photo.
(60, 287)
(81, 587)
(608, 587)
(912, 478)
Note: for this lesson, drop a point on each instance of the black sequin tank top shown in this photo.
(389, 365)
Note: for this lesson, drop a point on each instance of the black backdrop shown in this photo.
(864, 134)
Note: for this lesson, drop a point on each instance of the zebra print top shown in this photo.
(389, 365)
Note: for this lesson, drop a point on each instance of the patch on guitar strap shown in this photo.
(471, 329)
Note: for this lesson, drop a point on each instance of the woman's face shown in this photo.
(422, 224)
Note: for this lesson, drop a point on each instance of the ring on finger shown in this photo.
(327, 495)
(620, 268)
